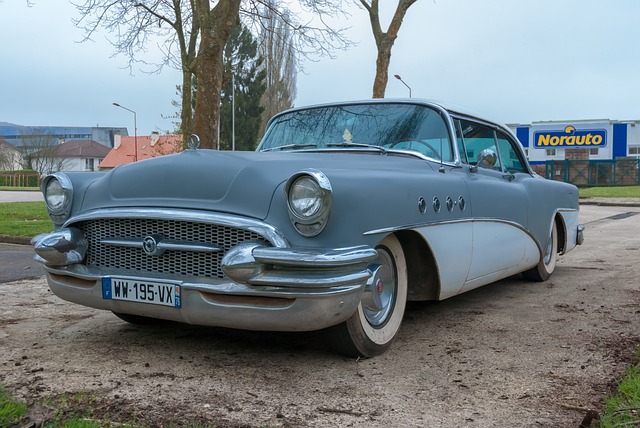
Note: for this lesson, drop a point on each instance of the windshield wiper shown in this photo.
(289, 146)
(367, 146)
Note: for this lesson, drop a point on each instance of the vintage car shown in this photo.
(344, 213)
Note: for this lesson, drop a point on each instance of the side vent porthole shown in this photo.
(450, 204)
(422, 205)
(462, 204)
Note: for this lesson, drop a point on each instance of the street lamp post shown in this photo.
(135, 131)
(233, 110)
(397, 76)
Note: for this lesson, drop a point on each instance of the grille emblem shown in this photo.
(150, 245)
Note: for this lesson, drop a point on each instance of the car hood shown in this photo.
(240, 183)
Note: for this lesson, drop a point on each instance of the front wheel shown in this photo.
(373, 327)
(547, 263)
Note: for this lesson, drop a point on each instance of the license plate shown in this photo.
(136, 290)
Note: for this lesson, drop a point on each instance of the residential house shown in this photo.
(74, 155)
(10, 157)
(125, 149)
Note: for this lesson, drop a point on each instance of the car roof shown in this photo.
(449, 107)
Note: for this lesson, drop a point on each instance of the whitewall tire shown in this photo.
(373, 327)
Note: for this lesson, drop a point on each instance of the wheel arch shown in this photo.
(422, 271)
(561, 226)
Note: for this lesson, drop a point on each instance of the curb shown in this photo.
(610, 204)
(20, 240)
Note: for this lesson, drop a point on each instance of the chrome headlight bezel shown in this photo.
(309, 196)
(58, 196)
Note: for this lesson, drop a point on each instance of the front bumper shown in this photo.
(266, 288)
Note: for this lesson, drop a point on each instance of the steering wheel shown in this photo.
(424, 143)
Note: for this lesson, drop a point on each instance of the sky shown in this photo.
(514, 61)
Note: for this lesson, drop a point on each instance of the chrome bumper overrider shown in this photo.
(580, 235)
(267, 288)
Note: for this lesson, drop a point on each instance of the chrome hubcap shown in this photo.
(380, 290)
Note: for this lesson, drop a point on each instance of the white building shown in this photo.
(10, 157)
(554, 140)
(74, 155)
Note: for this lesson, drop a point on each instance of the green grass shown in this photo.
(71, 410)
(623, 408)
(25, 219)
(11, 410)
(611, 192)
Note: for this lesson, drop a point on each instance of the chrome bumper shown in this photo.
(268, 288)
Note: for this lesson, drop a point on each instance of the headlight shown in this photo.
(55, 195)
(58, 194)
(309, 201)
(305, 197)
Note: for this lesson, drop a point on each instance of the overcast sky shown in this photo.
(517, 61)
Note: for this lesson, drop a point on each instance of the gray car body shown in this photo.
(494, 226)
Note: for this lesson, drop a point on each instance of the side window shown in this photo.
(509, 154)
(432, 137)
(479, 145)
(460, 141)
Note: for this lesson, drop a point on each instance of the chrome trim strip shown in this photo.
(306, 279)
(388, 230)
(223, 287)
(163, 245)
(259, 227)
(254, 264)
(315, 258)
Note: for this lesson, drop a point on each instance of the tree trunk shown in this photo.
(186, 113)
(382, 69)
(384, 40)
(216, 25)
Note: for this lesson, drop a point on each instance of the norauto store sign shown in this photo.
(570, 137)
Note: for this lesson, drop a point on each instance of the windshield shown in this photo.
(383, 126)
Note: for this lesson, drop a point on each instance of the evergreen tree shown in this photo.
(242, 68)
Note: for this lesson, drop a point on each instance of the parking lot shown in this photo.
(513, 353)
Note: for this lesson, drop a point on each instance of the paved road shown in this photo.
(16, 263)
(20, 196)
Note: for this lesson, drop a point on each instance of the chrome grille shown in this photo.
(183, 263)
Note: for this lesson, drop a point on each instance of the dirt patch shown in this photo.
(510, 354)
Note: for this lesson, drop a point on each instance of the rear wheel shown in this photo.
(373, 327)
(547, 263)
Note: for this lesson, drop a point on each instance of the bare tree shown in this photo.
(10, 157)
(40, 150)
(276, 46)
(137, 23)
(384, 40)
(198, 31)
